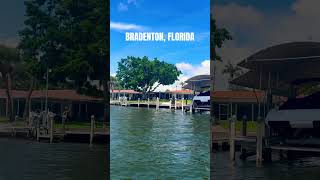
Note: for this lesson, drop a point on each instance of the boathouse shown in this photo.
(81, 106)
(130, 94)
(241, 103)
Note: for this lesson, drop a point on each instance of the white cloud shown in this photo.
(184, 66)
(125, 26)
(188, 70)
(122, 7)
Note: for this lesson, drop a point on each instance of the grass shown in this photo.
(251, 125)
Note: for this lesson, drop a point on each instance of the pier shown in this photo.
(51, 134)
(277, 72)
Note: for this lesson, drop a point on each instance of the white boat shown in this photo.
(296, 117)
(201, 101)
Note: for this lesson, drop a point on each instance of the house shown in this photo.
(81, 106)
(241, 103)
(130, 94)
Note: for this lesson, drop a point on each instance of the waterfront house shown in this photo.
(241, 103)
(130, 94)
(81, 106)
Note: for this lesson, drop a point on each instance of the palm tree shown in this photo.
(232, 70)
(9, 57)
(217, 37)
(182, 83)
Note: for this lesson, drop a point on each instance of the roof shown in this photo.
(70, 95)
(285, 52)
(128, 91)
(243, 96)
(281, 66)
(237, 96)
(198, 82)
(182, 91)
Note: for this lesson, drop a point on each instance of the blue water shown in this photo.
(148, 144)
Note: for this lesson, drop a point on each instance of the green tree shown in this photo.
(144, 75)
(70, 38)
(232, 70)
(9, 59)
(114, 83)
(217, 37)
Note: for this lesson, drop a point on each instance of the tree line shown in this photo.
(69, 38)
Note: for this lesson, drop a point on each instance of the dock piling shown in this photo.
(158, 104)
(182, 104)
(148, 103)
(92, 129)
(260, 127)
(38, 133)
(232, 137)
(175, 104)
(138, 102)
(244, 134)
(51, 128)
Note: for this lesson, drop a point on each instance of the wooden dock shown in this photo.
(89, 135)
(260, 144)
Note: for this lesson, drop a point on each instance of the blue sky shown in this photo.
(162, 16)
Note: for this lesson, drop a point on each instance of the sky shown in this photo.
(256, 25)
(11, 21)
(192, 58)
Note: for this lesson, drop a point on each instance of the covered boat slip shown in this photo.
(278, 71)
(281, 67)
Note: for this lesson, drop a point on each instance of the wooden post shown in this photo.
(260, 126)
(7, 105)
(219, 109)
(38, 133)
(18, 107)
(232, 136)
(252, 112)
(244, 133)
(92, 129)
(158, 104)
(138, 102)
(175, 103)
(148, 103)
(182, 104)
(170, 103)
(51, 128)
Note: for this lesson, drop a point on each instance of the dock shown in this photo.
(260, 144)
(89, 135)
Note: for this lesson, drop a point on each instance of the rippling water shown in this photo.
(149, 144)
(298, 169)
(29, 160)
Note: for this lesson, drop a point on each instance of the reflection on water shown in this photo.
(29, 160)
(150, 144)
(298, 169)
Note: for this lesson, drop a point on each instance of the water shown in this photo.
(29, 160)
(149, 144)
(298, 169)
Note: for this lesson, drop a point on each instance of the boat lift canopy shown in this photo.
(198, 83)
(279, 67)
